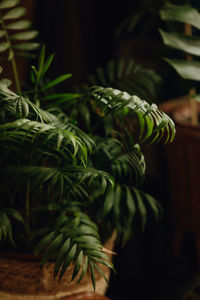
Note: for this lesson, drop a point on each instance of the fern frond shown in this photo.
(24, 131)
(153, 124)
(74, 242)
(126, 75)
(121, 205)
(73, 180)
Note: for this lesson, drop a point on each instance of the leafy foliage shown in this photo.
(183, 42)
(72, 164)
(128, 76)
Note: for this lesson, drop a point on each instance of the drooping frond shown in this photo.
(24, 131)
(125, 165)
(73, 180)
(6, 231)
(153, 124)
(122, 204)
(74, 240)
(126, 75)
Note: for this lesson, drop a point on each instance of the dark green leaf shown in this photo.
(19, 25)
(186, 69)
(25, 35)
(26, 46)
(56, 81)
(181, 13)
(14, 13)
(4, 46)
(189, 44)
(8, 3)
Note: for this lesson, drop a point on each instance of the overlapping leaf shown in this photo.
(75, 241)
(154, 125)
(188, 44)
(126, 75)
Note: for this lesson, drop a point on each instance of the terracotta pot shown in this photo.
(183, 159)
(21, 278)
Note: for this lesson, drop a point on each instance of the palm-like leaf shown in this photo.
(76, 241)
(129, 77)
(122, 204)
(154, 125)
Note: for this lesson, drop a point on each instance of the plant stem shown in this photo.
(27, 209)
(12, 59)
(193, 103)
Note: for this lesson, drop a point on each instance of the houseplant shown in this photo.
(58, 201)
(183, 156)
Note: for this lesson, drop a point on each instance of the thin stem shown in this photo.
(28, 205)
(13, 61)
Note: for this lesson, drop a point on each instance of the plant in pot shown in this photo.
(183, 156)
(69, 178)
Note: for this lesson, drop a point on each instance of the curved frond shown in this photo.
(126, 75)
(72, 180)
(74, 241)
(120, 207)
(153, 124)
(24, 131)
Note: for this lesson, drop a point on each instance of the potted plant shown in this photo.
(71, 174)
(182, 158)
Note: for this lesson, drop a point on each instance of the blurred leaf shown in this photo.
(189, 44)
(25, 35)
(186, 69)
(14, 13)
(26, 46)
(8, 3)
(181, 13)
(19, 25)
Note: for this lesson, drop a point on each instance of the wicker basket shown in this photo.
(26, 280)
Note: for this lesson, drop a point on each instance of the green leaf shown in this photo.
(84, 270)
(26, 46)
(46, 65)
(78, 265)
(69, 258)
(51, 251)
(181, 13)
(141, 208)
(2, 33)
(45, 242)
(186, 69)
(189, 44)
(19, 25)
(25, 35)
(56, 81)
(15, 214)
(14, 13)
(61, 256)
(4, 46)
(8, 3)
(108, 202)
(92, 275)
(101, 272)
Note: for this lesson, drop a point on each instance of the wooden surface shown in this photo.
(86, 296)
